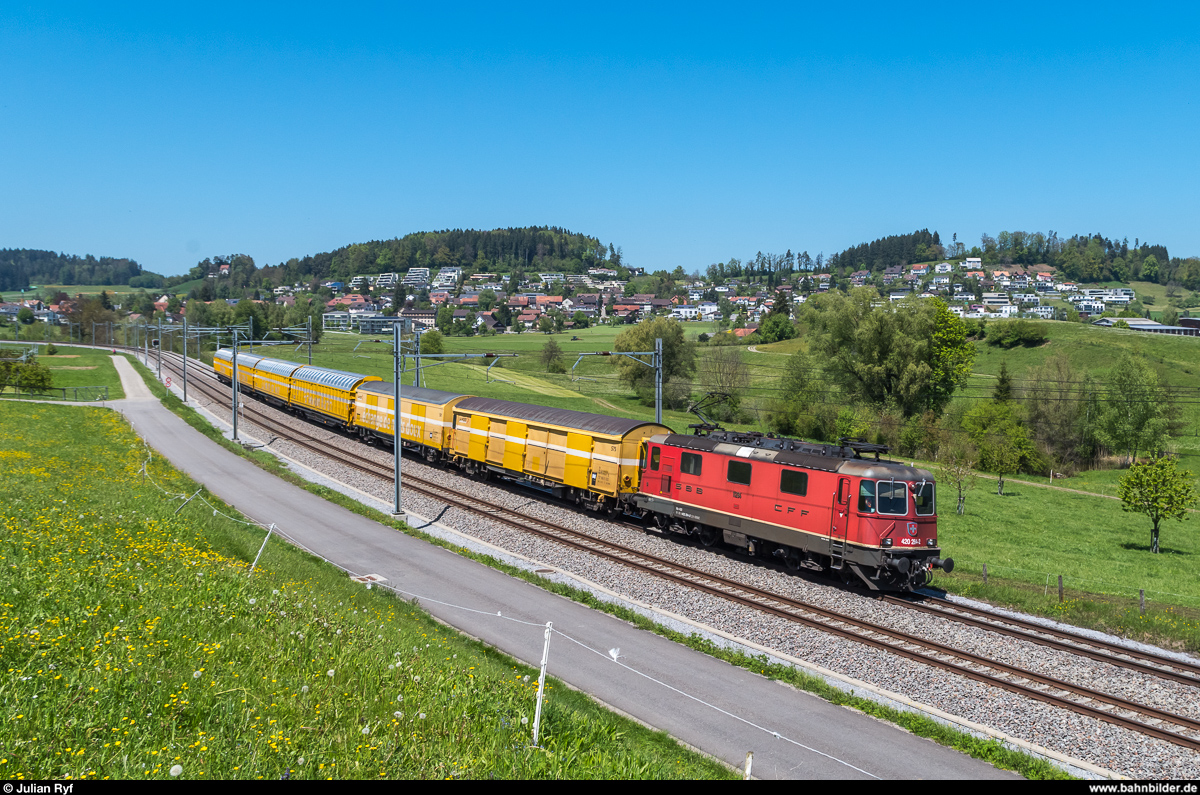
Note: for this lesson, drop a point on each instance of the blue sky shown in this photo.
(684, 134)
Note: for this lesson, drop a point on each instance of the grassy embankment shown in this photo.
(134, 641)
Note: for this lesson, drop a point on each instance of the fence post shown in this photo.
(537, 716)
(985, 574)
(260, 549)
(1142, 601)
(1060, 589)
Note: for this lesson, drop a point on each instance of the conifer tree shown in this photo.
(1003, 389)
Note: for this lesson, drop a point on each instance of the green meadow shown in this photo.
(134, 643)
(79, 367)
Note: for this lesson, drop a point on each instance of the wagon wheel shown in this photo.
(709, 535)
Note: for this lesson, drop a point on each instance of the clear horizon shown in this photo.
(685, 136)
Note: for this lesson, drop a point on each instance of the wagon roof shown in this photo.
(575, 420)
(339, 379)
(277, 366)
(418, 393)
(244, 359)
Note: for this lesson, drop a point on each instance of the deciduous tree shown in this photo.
(1136, 416)
(913, 354)
(722, 369)
(1159, 490)
(956, 470)
(1063, 407)
(679, 355)
(552, 357)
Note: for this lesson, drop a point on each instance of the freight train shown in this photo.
(838, 508)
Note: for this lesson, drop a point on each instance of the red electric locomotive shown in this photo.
(815, 506)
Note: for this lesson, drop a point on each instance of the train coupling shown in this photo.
(945, 564)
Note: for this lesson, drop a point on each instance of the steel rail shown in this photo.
(1184, 672)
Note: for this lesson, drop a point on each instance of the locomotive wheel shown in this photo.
(709, 535)
(792, 560)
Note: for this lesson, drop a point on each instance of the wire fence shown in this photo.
(73, 393)
(1055, 587)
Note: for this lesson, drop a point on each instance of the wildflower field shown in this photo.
(135, 644)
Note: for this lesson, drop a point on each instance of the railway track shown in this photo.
(1180, 730)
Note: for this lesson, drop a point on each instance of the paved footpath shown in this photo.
(814, 739)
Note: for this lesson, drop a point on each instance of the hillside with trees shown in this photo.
(529, 249)
(22, 267)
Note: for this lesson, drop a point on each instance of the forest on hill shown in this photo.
(530, 249)
(22, 267)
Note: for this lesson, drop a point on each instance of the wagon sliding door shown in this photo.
(556, 455)
(497, 438)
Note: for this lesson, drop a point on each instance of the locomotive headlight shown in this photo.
(929, 542)
(886, 543)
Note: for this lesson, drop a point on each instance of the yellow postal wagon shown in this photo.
(592, 459)
(325, 395)
(426, 416)
(246, 362)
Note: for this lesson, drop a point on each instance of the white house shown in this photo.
(685, 312)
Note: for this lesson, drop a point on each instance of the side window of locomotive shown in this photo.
(893, 497)
(923, 497)
(739, 472)
(690, 464)
(793, 482)
(866, 497)
(655, 454)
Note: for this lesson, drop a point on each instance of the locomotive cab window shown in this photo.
(866, 497)
(690, 464)
(739, 472)
(893, 497)
(655, 455)
(923, 497)
(793, 482)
